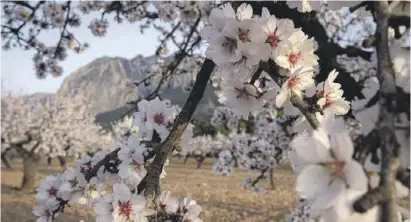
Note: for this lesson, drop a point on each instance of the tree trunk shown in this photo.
(186, 159)
(5, 160)
(30, 168)
(62, 161)
(200, 160)
(272, 179)
(49, 161)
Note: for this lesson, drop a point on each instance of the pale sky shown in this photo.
(123, 40)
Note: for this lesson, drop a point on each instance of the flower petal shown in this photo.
(355, 176)
(312, 181)
(329, 195)
(307, 149)
(282, 97)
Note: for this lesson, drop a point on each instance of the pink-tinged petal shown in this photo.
(321, 102)
(282, 97)
(282, 61)
(312, 181)
(342, 146)
(355, 176)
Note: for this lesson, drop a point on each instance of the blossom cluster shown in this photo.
(54, 126)
(87, 183)
(238, 42)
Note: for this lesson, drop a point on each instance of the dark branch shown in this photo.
(180, 123)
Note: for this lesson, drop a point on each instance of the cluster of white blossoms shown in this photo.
(238, 42)
(87, 183)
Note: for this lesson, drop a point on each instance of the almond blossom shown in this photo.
(297, 52)
(104, 208)
(190, 209)
(44, 212)
(127, 206)
(131, 169)
(297, 81)
(91, 194)
(48, 190)
(331, 95)
(329, 169)
(243, 98)
(154, 115)
(272, 32)
(73, 182)
(168, 203)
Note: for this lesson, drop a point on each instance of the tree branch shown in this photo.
(305, 108)
(385, 193)
(152, 178)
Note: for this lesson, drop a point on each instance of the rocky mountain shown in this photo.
(104, 83)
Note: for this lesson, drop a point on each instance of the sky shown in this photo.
(123, 40)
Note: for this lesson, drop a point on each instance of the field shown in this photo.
(222, 198)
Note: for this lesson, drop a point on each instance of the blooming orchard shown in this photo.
(291, 90)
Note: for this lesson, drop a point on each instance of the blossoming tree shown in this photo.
(56, 127)
(346, 124)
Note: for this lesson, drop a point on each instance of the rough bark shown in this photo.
(272, 179)
(30, 168)
(5, 160)
(199, 160)
(385, 193)
(186, 159)
(164, 151)
(62, 161)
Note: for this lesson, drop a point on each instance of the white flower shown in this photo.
(229, 38)
(401, 64)
(271, 32)
(156, 115)
(329, 168)
(331, 96)
(297, 52)
(190, 209)
(296, 82)
(168, 203)
(72, 181)
(44, 212)
(128, 207)
(48, 190)
(91, 194)
(243, 98)
(131, 169)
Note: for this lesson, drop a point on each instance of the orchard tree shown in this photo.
(289, 68)
(59, 126)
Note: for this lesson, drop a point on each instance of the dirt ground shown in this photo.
(222, 198)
